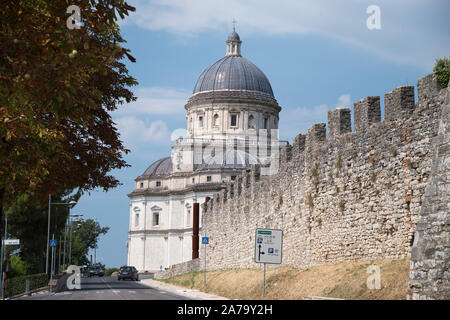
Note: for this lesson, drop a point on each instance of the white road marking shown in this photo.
(116, 292)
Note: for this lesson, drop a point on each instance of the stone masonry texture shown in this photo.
(430, 255)
(370, 194)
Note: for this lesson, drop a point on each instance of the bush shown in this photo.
(16, 285)
(442, 67)
(18, 267)
(110, 271)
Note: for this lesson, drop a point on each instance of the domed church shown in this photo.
(232, 121)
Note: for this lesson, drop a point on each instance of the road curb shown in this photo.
(190, 293)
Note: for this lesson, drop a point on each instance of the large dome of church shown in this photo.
(233, 72)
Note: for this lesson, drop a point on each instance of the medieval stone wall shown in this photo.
(430, 255)
(342, 196)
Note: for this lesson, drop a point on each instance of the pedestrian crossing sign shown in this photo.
(52, 243)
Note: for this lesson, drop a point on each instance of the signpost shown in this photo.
(5, 244)
(52, 244)
(11, 242)
(205, 241)
(268, 248)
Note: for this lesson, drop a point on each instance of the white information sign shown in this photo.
(268, 246)
(11, 242)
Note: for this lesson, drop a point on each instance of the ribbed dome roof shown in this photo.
(234, 36)
(161, 167)
(233, 73)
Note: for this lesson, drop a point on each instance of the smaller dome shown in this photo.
(234, 36)
(229, 159)
(161, 167)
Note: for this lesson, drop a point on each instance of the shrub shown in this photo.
(110, 271)
(442, 68)
(16, 285)
(18, 267)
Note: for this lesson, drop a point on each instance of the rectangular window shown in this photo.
(208, 178)
(233, 120)
(265, 123)
(200, 122)
(158, 183)
(156, 219)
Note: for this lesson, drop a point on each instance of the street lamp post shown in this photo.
(70, 204)
(64, 256)
(70, 235)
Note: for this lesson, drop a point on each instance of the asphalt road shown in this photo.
(109, 288)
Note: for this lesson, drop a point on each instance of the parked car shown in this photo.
(128, 272)
(95, 271)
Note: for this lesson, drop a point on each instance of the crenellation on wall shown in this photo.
(285, 153)
(399, 103)
(316, 134)
(355, 196)
(367, 112)
(299, 144)
(339, 122)
(428, 87)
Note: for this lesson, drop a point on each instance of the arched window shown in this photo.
(233, 120)
(136, 220)
(216, 120)
(188, 217)
(251, 122)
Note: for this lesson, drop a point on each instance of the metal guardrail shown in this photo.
(25, 284)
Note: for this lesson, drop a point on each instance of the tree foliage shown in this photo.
(28, 222)
(18, 267)
(57, 87)
(85, 236)
(442, 67)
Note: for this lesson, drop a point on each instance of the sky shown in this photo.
(318, 55)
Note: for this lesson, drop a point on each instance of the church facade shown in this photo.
(232, 121)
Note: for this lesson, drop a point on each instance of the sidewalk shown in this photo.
(189, 293)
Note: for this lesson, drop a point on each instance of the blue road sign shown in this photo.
(52, 243)
(205, 240)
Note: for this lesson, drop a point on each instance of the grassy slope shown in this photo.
(340, 280)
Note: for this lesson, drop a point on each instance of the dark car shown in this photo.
(95, 271)
(128, 272)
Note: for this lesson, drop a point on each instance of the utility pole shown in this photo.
(70, 241)
(64, 256)
(2, 253)
(48, 232)
(51, 272)
(59, 255)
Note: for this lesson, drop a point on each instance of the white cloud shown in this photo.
(407, 26)
(298, 120)
(137, 135)
(344, 101)
(156, 101)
